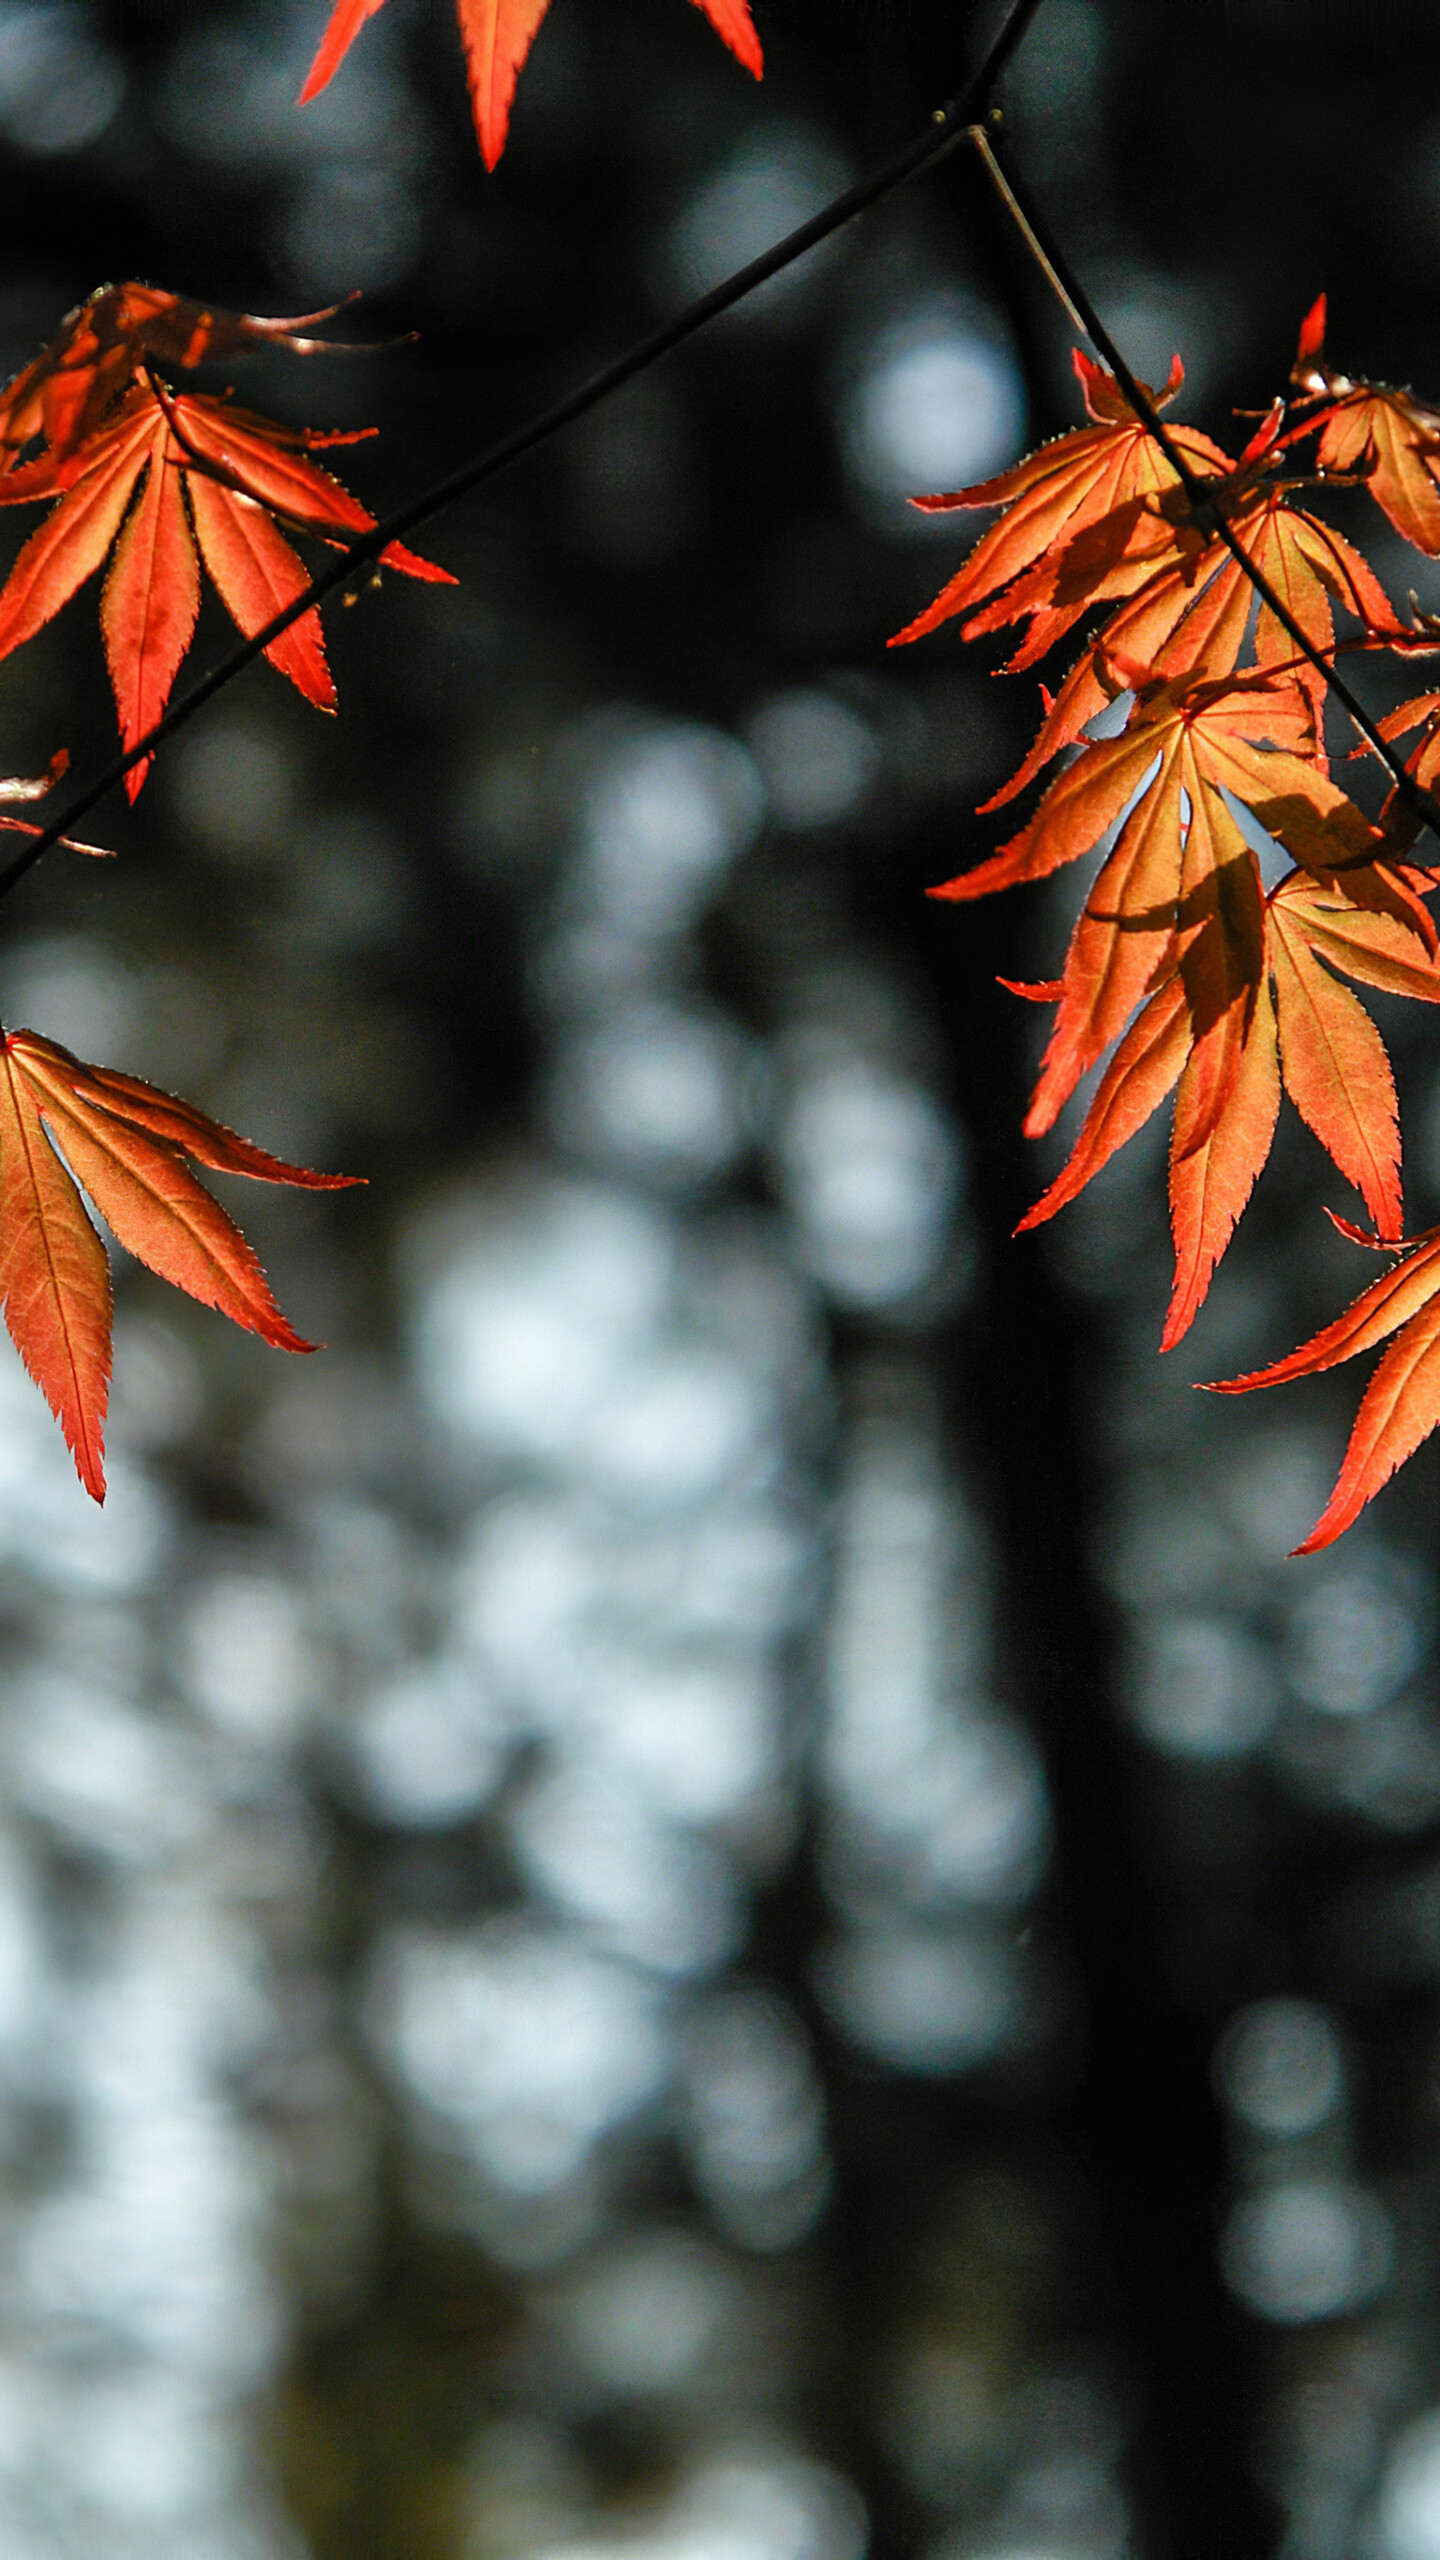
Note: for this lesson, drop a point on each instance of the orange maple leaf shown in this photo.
(1163, 782)
(1190, 619)
(170, 481)
(1421, 712)
(1220, 1022)
(497, 36)
(127, 1144)
(1384, 435)
(64, 393)
(1401, 1405)
(1098, 517)
(1402, 823)
(1090, 516)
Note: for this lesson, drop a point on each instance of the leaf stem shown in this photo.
(1064, 282)
(1026, 228)
(946, 129)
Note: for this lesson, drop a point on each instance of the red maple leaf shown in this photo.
(1422, 712)
(497, 36)
(172, 480)
(127, 1144)
(1091, 516)
(1163, 782)
(1401, 1405)
(1385, 436)
(63, 394)
(1256, 1000)
(1190, 619)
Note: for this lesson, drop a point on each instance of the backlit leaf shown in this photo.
(1401, 1405)
(127, 1144)
(1386, 436)
(497, 36)
(1092, 515)
(64, 393)
(176, 479)
(1253, 1004)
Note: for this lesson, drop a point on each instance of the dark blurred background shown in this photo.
(708, 1894)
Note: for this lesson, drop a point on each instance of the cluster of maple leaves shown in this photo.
(1197, 979)
(154, 482)
(1189, 735)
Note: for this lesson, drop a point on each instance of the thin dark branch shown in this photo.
(1060, 275)
(947, 127)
